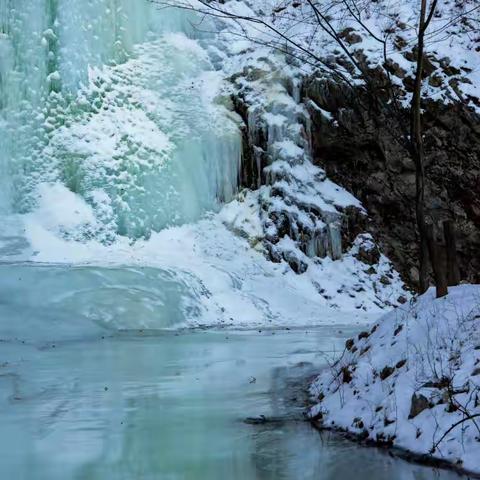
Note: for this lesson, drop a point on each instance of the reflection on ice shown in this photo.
(171, 406)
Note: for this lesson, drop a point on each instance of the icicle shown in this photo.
(335, 237)
(297, 89)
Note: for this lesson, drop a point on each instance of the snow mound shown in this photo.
(413, 381)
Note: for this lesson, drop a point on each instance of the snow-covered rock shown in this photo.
(412, 381)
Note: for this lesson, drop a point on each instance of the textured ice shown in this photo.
(139, 122)
(116, 148)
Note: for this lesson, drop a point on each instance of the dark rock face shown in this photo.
(362, 151)
(386, 372)
(254, 158)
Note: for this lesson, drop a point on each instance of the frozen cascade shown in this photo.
(116, 143)
(113, 127)
(115, 102)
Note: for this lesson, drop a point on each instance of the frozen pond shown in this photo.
(98, 403)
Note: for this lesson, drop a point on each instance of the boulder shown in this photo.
(418, 405)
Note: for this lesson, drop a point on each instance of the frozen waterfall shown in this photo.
(115, 103)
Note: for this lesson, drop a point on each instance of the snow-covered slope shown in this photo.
(210, 272)
(378, 35)
(412, 381)
(303, 215)
(272, 79)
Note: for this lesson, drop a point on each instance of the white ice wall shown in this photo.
(113, 99)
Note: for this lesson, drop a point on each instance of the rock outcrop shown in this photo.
(361, 151)
(309, 133)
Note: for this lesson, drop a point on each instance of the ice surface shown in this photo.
(146, 404)
(221, 279)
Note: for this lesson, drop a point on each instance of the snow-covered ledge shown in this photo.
(412, 382)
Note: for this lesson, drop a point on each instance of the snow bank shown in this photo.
(413, 381)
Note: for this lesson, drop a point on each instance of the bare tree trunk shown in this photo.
(453, 273)
(417, 148)
(420, 216)
(437, 264)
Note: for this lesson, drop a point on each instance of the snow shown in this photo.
(180, 42)
(60, 209)
(222, 261)
(432, 347)
(451, 36)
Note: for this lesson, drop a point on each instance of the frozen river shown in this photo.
(97, 403)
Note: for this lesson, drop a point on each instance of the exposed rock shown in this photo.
(443, 382)
(398, 330)
(428, 66)
(418, 405)
(365, 154)
(395, 69)
(386, 372)
(358, 423)
(450, 70)
(409, 83)
(346, 375)
(385, 280)
(435, 81)
(363, 335)
(352, 38)
(401, 363)
(368, 252)
(399, 42)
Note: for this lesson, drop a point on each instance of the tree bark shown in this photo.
(421, 224)
(453, 273)
(437, 264)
